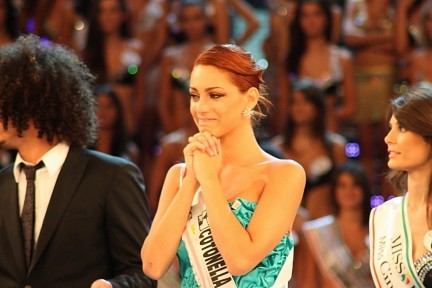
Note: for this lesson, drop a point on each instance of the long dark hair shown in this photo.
(94, 51)
(298, 39)
(357, 171)
(12, 17)
(413, 111)
(314, 95)
(120, 137)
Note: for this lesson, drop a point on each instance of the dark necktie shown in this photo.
(28, 212)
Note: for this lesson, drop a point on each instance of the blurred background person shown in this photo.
(177, 63)
(74, 23)
(405, 222)
(339, 243)
(421, 73)
(312, 55)
(369, 31)
(308, 141)
(169, 152)
(149, 24)
(221, 16)
(112, 136)
(112, 54)
(408, 38)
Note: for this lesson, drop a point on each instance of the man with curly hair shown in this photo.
(90, 209)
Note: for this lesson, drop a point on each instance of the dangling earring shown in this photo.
(247, 113)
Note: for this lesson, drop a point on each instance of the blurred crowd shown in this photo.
(331, 68)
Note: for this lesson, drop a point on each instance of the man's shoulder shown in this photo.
(94, 156)
(98, 161)
(104, 158)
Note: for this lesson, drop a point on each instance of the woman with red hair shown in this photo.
(228, 211)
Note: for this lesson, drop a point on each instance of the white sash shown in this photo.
(207, 263)
(391, 248)
(332, 255)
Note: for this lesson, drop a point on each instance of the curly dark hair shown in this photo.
(47, 84)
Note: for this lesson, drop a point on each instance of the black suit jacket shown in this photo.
(95, 224)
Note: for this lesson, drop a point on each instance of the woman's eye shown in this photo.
(193, 96)
(402, 129)
(215, 95)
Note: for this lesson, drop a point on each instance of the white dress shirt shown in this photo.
(46, 177)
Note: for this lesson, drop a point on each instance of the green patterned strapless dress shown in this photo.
(263, 275)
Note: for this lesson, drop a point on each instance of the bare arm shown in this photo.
(350, 101)
(338, 153)
(357, 38)
(279, 34)
(283, 100)
(160, 246)
(221, 22)
(336, 23)
(416, 67)
(245, 10)
(160, 168)
(278, 205)
(154, 42)
(165, 93)
(401, 25)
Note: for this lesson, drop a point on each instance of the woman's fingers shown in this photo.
(192, 147)
(211, 143)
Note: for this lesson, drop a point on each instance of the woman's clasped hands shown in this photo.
(203, 156)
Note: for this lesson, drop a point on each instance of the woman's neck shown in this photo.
(350, 217)
(240, 147)
(304, 130)
(418, 186)
(316, 43)
(113, 37)
(198, 42)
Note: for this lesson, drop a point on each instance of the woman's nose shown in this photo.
(389, 138)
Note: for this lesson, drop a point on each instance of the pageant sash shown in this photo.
(207, 263)
(391, 248)
(208, 266)
(333, 257)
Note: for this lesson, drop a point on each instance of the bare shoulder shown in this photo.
(173, 180)
(285, 168)
(170, 51)
(344, 54)
(286, 181)
(176, 170)
(337, 139)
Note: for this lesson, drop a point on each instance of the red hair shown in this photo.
(240, 67)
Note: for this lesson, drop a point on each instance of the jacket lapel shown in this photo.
(12, 221)
(68, 180)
